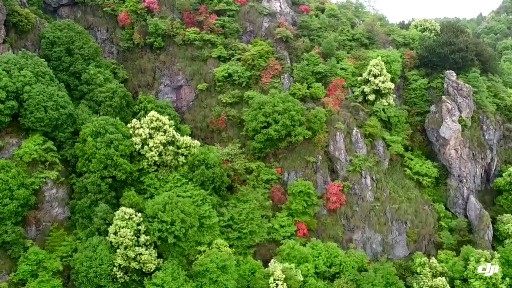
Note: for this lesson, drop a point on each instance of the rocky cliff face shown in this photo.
(471, 158)
(3, 15)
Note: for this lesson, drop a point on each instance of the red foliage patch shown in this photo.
(242, 2)
(279, 170)
(220, 123)
(124, 19)
(336, 93)
(334, 197)
(273, 69)
(304, 9)
(410, 59)
(202, 19)
(302, 230)
(278, 195)
(152, 5)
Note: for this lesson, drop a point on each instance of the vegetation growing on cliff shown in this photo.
(236, 190)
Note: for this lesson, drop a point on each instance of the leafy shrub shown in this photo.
(278, 195)
(93, 263)
(38, 268)
(504, 228)
(38, 153)
(171, 275)
(426, 26)
(19, 18)
(334, 197)
(336, 93)
(303, 202)
(158, 29)
(503, 185)
(274, 121)
(421, 169)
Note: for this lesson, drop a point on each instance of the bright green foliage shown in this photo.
(134, 251)
(421, 169)
(257, 55)
(181, 218)
(216, 267)
(390, 123)
(380, 275)
(303, 202)
(205, 169)
(103, 95)
(19, 18)
(282, 227)
(103, 152)
(43, 103)
(504, 228)
(453, 232)
(171, 275)
(274, 121)
(38, 153)
(376, 85)
(48, 109)
(503, 185)
(61, 244)
(38, 269)
(505, 253)
(158, 29)
(283, 275)
(428, 273)
(93, 264)
(245, 218)
(251, 273)
(463, 270)
(426, 26)
(69, 50)
(156, 139)
(232, 73)
(416, 96)
(313, 69)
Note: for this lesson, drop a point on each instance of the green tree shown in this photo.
(504, 228)
(245, 218)
(303, 202)
(69, 50)
(216, 267)
(426, 26)
(274, 121)
(38, 153)
(93, 263)
(38, 268)
(181, 217)
(171, 275)
(503, 185)
(103, 167)
(134, 251)
(103, 95)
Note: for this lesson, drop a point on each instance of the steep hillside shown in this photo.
(239, 143)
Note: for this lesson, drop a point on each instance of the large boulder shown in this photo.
(52, 209)
(175, 88)
(472, 163)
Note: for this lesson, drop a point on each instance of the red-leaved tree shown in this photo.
(301, 230)
(242, 2)
(202, 19)
(335, 94)
(220, 123)
(274, 68)
(124, 19)
(278, 195)
(334, 197)
(152, 5)
(304, 9)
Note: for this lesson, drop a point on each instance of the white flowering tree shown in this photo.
(134, 251)
(156, 139)
(426, 26)
(376, 85)
(282, 274)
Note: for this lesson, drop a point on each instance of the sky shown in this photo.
(398, 10)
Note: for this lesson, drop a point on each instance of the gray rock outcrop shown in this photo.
(10, 142)
(54, 5)
(3, 15)
(472, 163)
(52, 209)
(175, 88)
(279, 9)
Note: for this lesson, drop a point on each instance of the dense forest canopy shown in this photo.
(247, 143)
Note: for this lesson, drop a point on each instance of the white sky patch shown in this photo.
(398, 10)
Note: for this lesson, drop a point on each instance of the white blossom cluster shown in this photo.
(277, 273)
(134, 250)
(156, 139)
(377, 85)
